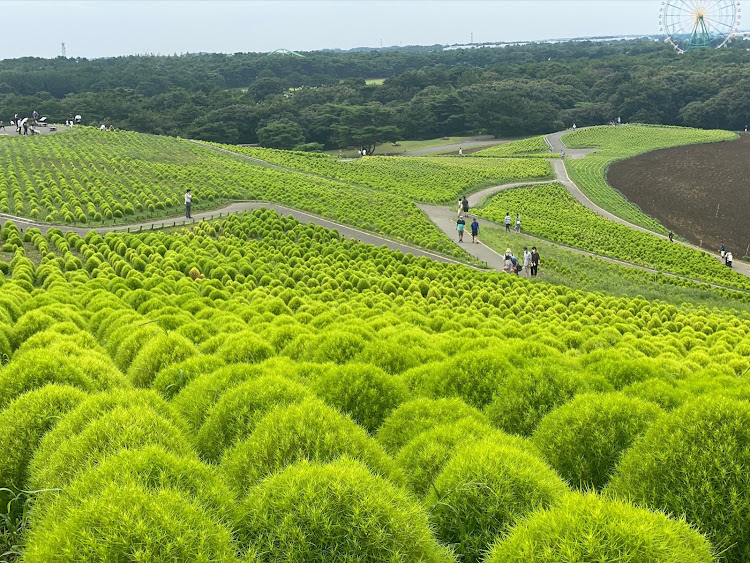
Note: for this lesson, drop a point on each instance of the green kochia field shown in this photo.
(89, 178)
(257, 389)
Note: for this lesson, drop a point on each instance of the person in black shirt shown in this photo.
(534, 261)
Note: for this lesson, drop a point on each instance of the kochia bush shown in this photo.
(132, 427)
(22, 425)
(362, 391)
(236, 414)
(587, 528)
(483, 489)
(126, 523)
(160, 352)
(414, 417)
(308, 430)
(336, 512)
(584, 439)
(694, 462)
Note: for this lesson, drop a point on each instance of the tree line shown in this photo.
(323, 100)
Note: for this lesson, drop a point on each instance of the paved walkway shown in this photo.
(473, 143)
(234, 208)
(443, 217)
(555, 143)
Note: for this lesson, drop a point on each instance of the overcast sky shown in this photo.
(110, 28)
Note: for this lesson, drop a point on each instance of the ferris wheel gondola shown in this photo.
(699, 24)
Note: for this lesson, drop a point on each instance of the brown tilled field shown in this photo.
(701, 192)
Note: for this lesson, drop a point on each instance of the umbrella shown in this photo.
(78, 117)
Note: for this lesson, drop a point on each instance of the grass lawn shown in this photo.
(563, 267)
(406, 146)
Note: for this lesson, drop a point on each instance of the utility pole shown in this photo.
(63, 49)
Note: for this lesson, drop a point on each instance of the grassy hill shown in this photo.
(258, 389)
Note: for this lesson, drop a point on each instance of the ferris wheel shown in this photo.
(698, 24)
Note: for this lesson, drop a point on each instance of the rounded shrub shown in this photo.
(472, 376)
(587, 528)
(131, 427)
(128, 523)
(236, 414)
(198, 396)
(336, 512)
(694, 462)
(414, 417)
(162, 351)
(245, 347)
(664, 393)
(526, 396)
(364, 392)
(308, 430)
(151, 468)
(87, 370)
(171, 380)
(483, 489)
(22, 425)
(425, 456)
(585, 438)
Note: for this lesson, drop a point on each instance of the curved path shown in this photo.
(443, 217)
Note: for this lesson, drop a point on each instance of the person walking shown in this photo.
(188, 203)
(461, 150)
(671, 236)
(2, 125)
(526, 262)
(25, 127)
(475, 230)
(507, 222)
(535, 260)
(728, 259)
(518, 224)
(465, 204)
(722, 250)
(460, 225)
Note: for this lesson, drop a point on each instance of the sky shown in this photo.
(110, 28)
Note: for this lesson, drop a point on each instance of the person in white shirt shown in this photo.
(188, 203)
(103, 127)
(728, 258)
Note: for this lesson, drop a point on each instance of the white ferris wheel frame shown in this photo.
(719, 20)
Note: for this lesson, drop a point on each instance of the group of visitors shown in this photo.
(511, 264)
(508, 221)
(727, 256)
(77, 120)
(461, 227)
(529, 266)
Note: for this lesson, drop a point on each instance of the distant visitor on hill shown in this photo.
(728, 259)
(671, 236)
(461, 151)
(518, 224)
(188, 203)
(507, 222)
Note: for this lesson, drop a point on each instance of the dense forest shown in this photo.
(322, 100)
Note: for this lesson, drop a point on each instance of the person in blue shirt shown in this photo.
(474, 230)
(460, 225)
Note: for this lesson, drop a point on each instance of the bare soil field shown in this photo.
(701, 192)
